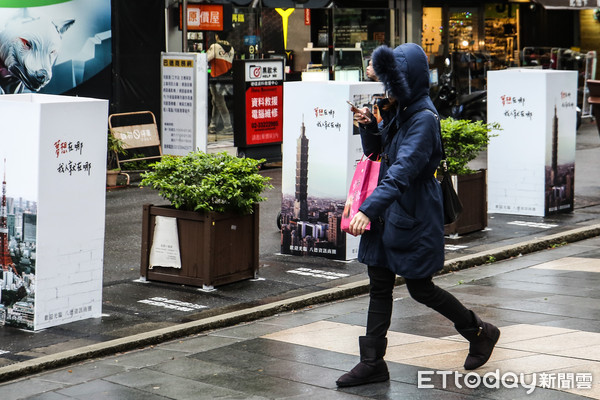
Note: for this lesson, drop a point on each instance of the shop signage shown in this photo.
(263, 97)
(203, 17)
(184, 102)
(569, 4)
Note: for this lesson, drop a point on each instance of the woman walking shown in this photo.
(405, 211)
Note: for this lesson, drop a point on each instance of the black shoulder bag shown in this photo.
(452, 205)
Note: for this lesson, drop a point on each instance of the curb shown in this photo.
(22, 369)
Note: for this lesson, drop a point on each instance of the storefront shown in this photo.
(475, 37)
(318, 39)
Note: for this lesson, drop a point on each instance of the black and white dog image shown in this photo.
(28, 50)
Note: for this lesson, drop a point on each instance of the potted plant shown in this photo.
(214, 200)
(463, 141)
(114, 147)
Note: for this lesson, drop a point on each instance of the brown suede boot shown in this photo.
(371, 367)
(482, 339)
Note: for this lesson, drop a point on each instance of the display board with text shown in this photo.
(53, 157)
(531, 163)
(258, 106)
(321, 147)
(184, 82)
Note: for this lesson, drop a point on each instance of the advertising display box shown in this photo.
(258, 108)
(531, 163)
(321, 147)
(53, 156)
(184, 82)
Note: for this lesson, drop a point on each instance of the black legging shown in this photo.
(422, 290)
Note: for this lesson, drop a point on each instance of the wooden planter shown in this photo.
(215, 248)
(472, 191)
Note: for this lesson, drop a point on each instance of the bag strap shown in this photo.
(443, 161)
(389, 138)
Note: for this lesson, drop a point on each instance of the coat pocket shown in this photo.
(399, 232)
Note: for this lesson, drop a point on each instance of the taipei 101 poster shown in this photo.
(321, 147)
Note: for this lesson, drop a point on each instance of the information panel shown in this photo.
(259, 111)
(184, 102)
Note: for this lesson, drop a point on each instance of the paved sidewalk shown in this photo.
(130, 322)
(545, 304)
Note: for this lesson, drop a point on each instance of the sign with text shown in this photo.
(203, 17)
(260, 109)
(320, 151)
(184, 102)
(53, 209)
(531, 163)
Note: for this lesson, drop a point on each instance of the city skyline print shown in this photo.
(320, 152)
(18, 240)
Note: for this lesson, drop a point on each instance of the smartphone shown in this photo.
(356, 110)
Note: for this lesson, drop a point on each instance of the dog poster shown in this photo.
(55, 47)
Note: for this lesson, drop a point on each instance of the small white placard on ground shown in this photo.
(317, 273)
(172, 304)
(454, 247)
(540, 225)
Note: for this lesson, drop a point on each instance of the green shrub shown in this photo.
(208, 182)
(463, 141)
(114, 146)
(137, 165)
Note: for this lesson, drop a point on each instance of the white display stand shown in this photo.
(321, 147)
(531, 163)
(184, 108)
(54, 171)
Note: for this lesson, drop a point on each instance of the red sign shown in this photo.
(203, 17)
(307, 16)
(264, 114)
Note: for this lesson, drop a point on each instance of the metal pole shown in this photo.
(184, 26)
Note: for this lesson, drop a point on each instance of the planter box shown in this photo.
(215, 248)
(472, 192)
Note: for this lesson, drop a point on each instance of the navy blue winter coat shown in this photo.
(407, 229)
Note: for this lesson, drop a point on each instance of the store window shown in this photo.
(501, 38)
(475, 39)
(355, 34)
(433, 27)
(463, 29)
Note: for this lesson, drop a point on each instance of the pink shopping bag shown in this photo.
(363, 183)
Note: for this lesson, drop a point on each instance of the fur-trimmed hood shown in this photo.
(404, 72)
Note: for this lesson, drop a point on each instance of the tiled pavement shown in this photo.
(545, 304)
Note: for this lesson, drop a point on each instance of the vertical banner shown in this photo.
(184, 82)
(53, 209)
(531, 163)
(321, 148)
